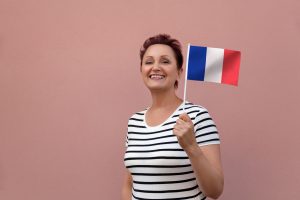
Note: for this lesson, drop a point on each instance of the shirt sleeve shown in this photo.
(126, 142)
(205, 129)
(126, 139)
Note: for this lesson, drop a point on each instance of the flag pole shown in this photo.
(186, 72)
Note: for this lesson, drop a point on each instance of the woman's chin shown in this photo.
(157, 88)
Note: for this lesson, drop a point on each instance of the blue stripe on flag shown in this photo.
(196, 63)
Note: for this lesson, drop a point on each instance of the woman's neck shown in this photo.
(165, 99)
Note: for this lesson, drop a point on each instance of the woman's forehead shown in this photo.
(159, 50)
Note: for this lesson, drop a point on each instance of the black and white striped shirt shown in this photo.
(160, 168)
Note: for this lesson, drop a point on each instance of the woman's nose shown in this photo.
(156, 66)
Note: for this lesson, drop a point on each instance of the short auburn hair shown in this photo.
(166, 40)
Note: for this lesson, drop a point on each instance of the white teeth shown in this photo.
(156, 76)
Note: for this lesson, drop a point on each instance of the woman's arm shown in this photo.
(206, 163)
(127, 186)
(205, 160)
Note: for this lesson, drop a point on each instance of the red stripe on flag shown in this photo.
(231, 66)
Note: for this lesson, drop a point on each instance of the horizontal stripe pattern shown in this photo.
(160, 168)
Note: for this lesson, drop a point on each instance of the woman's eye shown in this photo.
(148, 62)
(165, 61)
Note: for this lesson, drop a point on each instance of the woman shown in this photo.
(172, 153)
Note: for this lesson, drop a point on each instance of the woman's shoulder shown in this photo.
(192, 107)
(137, 116)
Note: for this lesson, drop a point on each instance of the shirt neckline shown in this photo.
(159, 125)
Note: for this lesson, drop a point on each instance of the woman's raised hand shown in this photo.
(184, 130)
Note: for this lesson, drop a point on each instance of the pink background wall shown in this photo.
(69, 80)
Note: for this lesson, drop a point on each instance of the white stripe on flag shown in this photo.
(214, 65)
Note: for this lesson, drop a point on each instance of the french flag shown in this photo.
(213, 65)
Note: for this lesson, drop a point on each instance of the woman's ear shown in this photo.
(180, 72)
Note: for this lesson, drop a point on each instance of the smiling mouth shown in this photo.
(156, 76)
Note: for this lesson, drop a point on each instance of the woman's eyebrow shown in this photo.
(148, 56)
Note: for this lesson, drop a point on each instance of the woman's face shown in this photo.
(159, 67)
